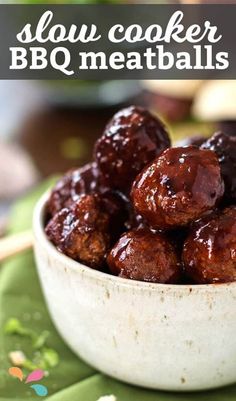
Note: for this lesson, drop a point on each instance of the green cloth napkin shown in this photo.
(72, 379)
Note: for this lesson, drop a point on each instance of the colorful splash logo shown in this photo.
(35, 376)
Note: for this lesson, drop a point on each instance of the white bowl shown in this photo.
(170, 337)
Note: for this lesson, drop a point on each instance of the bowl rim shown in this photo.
(77, 267)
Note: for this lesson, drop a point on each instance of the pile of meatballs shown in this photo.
(146, 211)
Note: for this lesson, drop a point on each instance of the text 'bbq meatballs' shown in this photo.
(131, 140)
(225, 148)
(144, 256)
(209, 253)
(178, 187)
(82, 231)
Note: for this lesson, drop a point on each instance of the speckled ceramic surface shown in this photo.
(171, 337)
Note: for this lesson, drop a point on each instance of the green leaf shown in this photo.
(29, 365)
(44, 357)
(40, 340)
(14, 326)
(50, 357)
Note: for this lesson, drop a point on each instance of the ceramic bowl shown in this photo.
(170, 337)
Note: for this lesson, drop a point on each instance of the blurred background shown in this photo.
(49, 127)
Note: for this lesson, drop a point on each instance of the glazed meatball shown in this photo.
(144, 256)
(225, 148)
(85, 180)
(178, 187)
(133, 138)
(82, 231)
(209, 253)
(74, 183)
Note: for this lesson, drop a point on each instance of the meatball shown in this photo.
(74, 183)
(225, 148)
(209, 253)
(85, 180)
(132, 139)
(144, 256)
(82, 231)
(178, 187)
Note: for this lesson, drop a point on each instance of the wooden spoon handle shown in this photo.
(14, 244)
